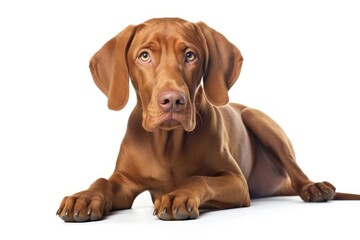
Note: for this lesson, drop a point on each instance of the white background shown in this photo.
(57, 136)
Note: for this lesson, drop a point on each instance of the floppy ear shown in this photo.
(222, 65)
(109, 68)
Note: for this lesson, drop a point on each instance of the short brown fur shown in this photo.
(184, 143)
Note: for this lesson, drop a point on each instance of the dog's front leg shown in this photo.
(227, 190)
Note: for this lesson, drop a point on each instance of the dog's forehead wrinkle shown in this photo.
(168, 29)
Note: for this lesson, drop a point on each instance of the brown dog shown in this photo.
(184, 143)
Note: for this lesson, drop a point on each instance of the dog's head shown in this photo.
(166, 59)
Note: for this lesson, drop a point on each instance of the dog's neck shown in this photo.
(169, 143)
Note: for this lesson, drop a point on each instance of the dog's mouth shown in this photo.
(170, 124)
(169, 121)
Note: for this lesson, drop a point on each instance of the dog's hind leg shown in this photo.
(276, 143)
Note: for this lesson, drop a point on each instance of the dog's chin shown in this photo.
(169, 122)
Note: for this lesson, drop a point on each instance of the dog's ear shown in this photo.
(222, 65)
(109, 68)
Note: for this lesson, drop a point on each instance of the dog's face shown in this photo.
(166, 60)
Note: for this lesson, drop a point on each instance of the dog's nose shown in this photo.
(172, 101)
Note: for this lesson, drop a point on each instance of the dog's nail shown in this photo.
(59, 211)
(77, 212)
(190, 209)
(89, 211)
(165, 210)
(155, 212)
(176, 210)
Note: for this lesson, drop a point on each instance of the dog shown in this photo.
(185, 143)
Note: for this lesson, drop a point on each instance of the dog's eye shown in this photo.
(144, 56)
(190, 56)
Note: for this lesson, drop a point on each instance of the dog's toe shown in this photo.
(84, 206)
(176, 206)
(318, 192)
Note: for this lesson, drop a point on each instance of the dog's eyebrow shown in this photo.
(152, 45)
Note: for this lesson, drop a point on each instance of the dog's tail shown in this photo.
(346, 196)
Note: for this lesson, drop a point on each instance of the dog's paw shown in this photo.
(318, 192)
(177, 205)
(84, 206)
